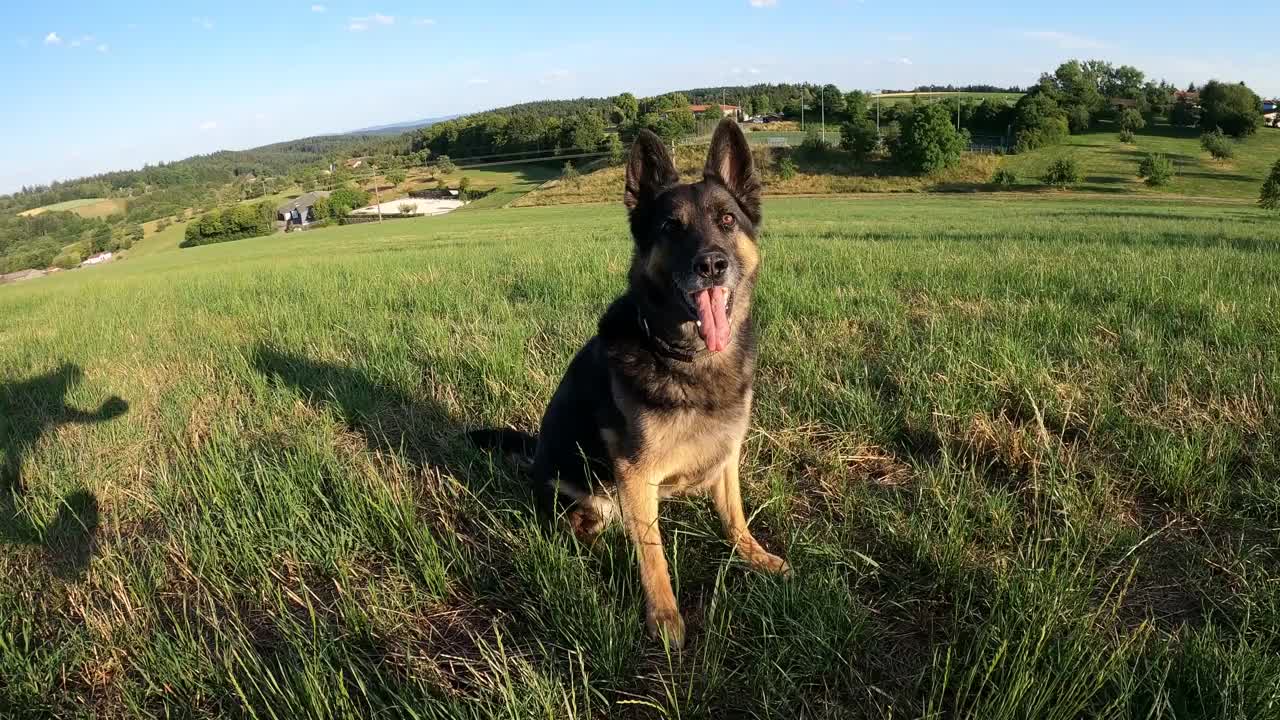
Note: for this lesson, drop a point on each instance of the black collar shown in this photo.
(660, 346)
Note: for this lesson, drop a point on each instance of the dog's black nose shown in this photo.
(711, 265)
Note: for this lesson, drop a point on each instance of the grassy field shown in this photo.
(812, 177)
(1110, 166)
(86, 207)
(1022, 453)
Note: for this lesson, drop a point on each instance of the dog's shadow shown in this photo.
(414, 428)
(30, 409)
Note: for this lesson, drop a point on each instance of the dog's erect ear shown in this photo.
(649, 170)
(729, 161)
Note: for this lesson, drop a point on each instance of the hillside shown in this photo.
(1020, 450)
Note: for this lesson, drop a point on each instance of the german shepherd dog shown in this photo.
(657, 403)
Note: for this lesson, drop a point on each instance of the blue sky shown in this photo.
(94, 86)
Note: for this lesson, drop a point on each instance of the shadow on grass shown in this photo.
(28, 410)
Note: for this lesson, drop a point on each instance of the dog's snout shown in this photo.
(711, 265)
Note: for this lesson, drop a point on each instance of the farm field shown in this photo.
(1021, 450)
(891, 98)
(86, 207)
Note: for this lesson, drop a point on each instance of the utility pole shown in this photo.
(822, 101)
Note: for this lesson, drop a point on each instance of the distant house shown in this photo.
(302, 204)
(1121, 104)
(732, 111)
(1190, 97)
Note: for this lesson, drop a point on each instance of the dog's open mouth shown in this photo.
(713, 306)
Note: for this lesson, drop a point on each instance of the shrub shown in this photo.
(1156, 170)
(1004, 177)
(786, 167)
(70, 257)
(1127, 136)
(929, 141)
(407, 208)
(1050, 132)
(860, 137)
(162, 224)
(395, 177)
(1217, 144)
(569, 175)
(1270, 197)
(232, 223)
(1062, 173)
(813, 146)
(444, 166)
(345, 199)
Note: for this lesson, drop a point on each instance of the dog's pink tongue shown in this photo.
(712, 316)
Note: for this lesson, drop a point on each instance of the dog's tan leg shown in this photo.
(638, 496)
(727, 495)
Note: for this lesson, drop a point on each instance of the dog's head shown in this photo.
(695, 258)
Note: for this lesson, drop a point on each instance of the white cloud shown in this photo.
(52, 39)
(478, 81)
(763, 3)
(1065, 41)
(318, 8)
(83, 40)
(204, 22)
(360, 24)
(754, 71)
(903, 61)
(104, 48)
(208, 125)
(424, 21)
(554, 76)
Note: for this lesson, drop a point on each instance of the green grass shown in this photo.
(84, 207)
(1021, 452)
(1110, 166)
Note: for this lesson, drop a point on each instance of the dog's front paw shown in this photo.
(772, 564)
(668, 625)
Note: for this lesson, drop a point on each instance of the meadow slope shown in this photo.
(1021, 452)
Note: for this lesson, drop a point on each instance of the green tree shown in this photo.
(1038, 121)
(713, 112)
(628, 105)
(617, 152)
(860, 137)
(1235, 109)
(464, 184)
(321, 209)
(395, 177)
(929, 141)
(584, 131)
(1132, 120)
(761, 105)
(1270, 197)
(856, 104)
(834, 100)
(1182, 114)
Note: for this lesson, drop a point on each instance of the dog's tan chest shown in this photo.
(680, 450)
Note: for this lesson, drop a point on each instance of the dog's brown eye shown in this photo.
(727, 220)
